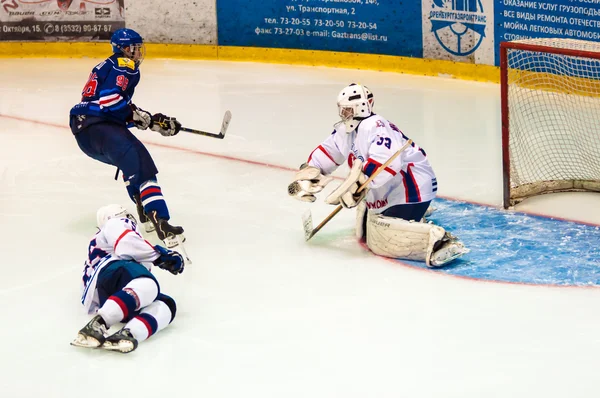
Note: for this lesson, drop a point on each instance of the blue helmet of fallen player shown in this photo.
(129, 43)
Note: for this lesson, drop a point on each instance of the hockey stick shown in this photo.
(307, 224)
(221, 135)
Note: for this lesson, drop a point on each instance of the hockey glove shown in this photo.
(141, 118)
(308, 181)
(346, 194)
(165, 125)
(169, 260)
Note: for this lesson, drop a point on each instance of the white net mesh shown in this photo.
(554, 118)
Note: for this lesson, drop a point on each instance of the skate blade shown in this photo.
(149, 227)
(123, 346)
(85, 342)
(176, 243)
(441, 263)
(172, 241)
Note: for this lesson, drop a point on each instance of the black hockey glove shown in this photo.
(141, 118)
(169, 260)
(165, 125)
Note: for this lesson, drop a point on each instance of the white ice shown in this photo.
(262, 313)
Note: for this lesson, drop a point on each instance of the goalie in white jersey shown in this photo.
(390, 211)
(118, 284)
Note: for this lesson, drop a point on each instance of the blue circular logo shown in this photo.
(458, 25)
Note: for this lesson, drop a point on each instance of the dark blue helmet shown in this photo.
(129, 43)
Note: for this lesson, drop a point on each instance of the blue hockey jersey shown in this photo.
(109, 90)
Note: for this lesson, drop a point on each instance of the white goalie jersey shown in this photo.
(119, 239)
(410, 177)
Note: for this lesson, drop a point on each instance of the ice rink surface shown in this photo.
(262, 313)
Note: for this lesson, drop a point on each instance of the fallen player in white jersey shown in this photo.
(119, 287)
(390, 211)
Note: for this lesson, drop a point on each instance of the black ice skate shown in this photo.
(144, 220)
(172, 236)
(92, 335)
(122, 341)
(164, 230)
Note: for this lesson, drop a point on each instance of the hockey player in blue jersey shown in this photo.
(119, 287)
(100, 125)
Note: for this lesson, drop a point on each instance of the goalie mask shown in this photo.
(355, 103)
(105, 213)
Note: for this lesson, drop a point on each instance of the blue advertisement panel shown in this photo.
(569, 19)
(459, 30)
(362, 26)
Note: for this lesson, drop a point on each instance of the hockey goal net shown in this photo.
(550, 117)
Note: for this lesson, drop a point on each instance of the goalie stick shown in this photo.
(221, 135)
(307, 223)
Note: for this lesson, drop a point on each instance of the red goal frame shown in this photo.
(504, 47)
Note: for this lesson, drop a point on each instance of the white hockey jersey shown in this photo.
(119, 239)
(410, 177)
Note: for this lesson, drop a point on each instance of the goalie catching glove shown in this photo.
(165, 125)
(347, 193)
(169, 260)
(308, 181)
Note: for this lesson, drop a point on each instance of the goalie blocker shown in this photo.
(409, 240)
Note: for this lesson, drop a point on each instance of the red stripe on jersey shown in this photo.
(120, 237)
(378, 165)
(325, 152)
(106, 100)
(148, 243)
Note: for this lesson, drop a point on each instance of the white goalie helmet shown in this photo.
(107, 212)
(355, 103)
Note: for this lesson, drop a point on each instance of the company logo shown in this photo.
(353, 155)
(378, 204)
(64, 4)
(21, 13)
(458, 25)
(48, 28)
(102, 12)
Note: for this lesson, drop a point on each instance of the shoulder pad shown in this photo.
(126, 63)
(371, 123)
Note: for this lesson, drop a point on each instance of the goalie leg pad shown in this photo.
(361, 213)
(450, 248)
(398, 238)
(411, 240)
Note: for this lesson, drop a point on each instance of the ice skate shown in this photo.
(450, 249)
(163, 228)
(172, 236)
(428, 212)
(175, 243)
(92, 335)
(144, 220)
(122, 341)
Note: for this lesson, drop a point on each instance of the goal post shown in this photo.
(550, 103)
